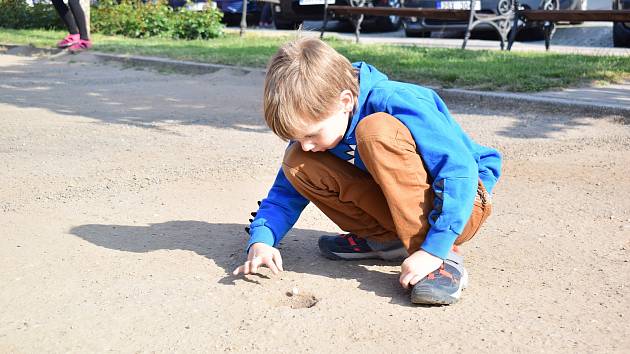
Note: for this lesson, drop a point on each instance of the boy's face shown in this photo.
(327, 133)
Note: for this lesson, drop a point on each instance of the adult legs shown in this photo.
(79, 18)
(66, 16)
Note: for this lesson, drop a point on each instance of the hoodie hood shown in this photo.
(369, 76)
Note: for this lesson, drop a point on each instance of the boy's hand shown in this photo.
(261, 254)
(417, 266)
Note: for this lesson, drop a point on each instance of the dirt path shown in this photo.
(124, 194)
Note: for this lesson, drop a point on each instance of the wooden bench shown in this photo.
(501, 23)
(551, 17)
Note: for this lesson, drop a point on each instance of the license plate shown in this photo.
(316, 2)
(457, 5)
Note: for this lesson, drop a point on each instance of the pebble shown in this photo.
(295, 291)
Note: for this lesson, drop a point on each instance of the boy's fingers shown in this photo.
(269, 263)
(237, 270)
(246, 267)
(405, 278)
(278, 260)
(415, 280)
(255, 263)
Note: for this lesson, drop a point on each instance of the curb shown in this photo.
(533, 102)
(180, 65)
(484, 98)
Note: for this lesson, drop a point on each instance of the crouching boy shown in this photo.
(384, 160)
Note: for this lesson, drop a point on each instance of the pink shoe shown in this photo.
(80, 46)
(68, 41)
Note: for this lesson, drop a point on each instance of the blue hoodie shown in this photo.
(454, 162)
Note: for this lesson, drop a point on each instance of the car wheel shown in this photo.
(286, 25)
(621, 35)
(390, 23)
(417, 34)
(283, 24)
(536, 32)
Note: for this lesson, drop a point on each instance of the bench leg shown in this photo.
(321, 35)
(513, 33)
(549, 29)
(243, 19)
(357, 27)
(471, 19)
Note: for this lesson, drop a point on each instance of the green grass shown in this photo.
(481, 70)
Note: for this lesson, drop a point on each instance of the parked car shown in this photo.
(621, 30)
(422, 27)
(194, 5)
(289, 14)
(233, 11)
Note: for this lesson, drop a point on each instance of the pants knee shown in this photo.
(294, 160)
(380, 124)
(293, 156)
(384, 127)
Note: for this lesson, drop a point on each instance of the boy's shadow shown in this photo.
(224, 243)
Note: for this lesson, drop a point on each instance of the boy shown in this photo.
(384, 160)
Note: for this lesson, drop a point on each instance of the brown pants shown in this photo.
(392, 202)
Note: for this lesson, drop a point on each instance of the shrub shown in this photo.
(131, 18)
(197, 24)
(136, 19)
(18, 14)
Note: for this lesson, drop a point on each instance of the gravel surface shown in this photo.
(125, 193)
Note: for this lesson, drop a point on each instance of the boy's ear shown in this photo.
(347, 100)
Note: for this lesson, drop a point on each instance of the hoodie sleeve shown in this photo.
(277, 213)
(450, 164)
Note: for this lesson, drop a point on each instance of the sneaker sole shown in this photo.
(397, 254)
(66, 45)
(428, 295)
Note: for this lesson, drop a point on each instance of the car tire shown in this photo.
(283, 23)
(390, 23)
(286, 25)
(417, 34)
(234, 19)
(621, 35)
(537, 33)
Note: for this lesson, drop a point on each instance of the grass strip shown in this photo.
(469, 69)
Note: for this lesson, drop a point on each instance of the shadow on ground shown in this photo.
(83, 85)
(224, 244)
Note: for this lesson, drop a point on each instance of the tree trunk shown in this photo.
(85, 5)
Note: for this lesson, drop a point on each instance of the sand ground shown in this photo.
(124, 194)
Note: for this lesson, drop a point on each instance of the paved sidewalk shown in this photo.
(559, 43)
(614, 95)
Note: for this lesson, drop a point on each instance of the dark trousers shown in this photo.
(73, 17)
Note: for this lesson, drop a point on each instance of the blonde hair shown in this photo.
(304, 80)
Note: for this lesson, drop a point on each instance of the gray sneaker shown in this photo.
(444, 285)
(351, 247)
